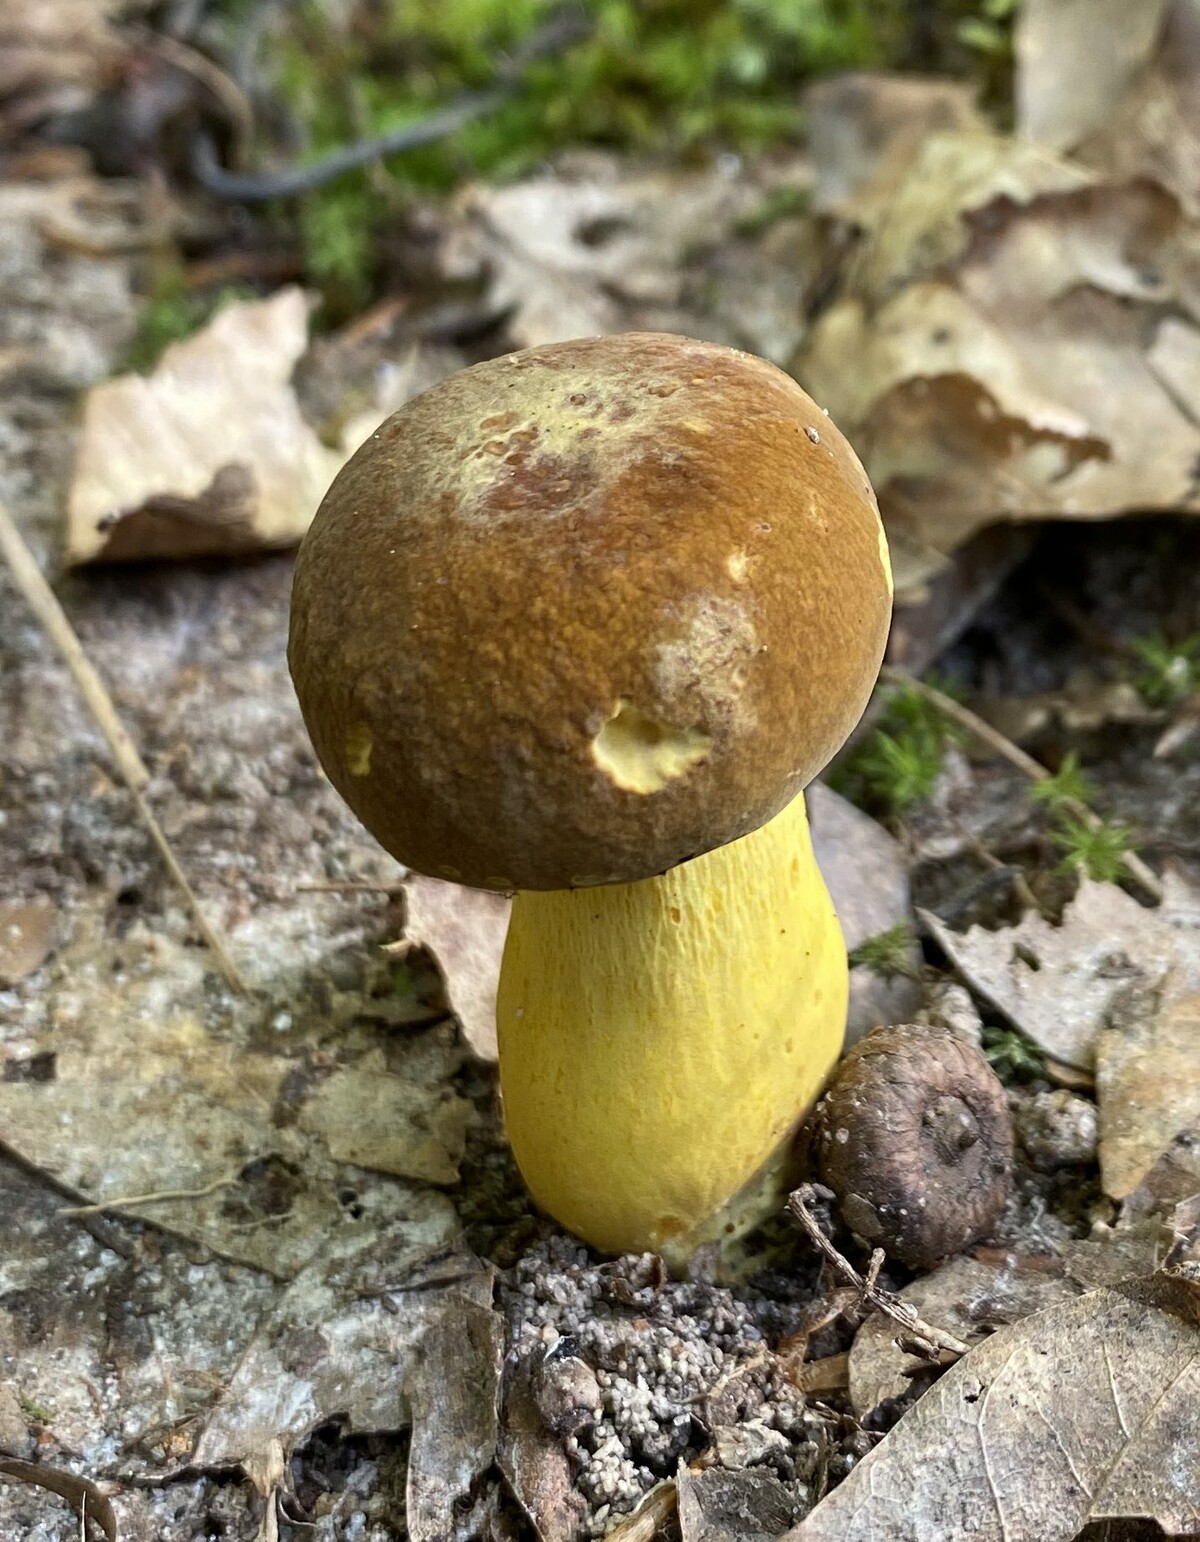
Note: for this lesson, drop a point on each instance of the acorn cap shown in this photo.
(580, 613)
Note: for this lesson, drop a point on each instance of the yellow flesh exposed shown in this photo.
(659, 1041)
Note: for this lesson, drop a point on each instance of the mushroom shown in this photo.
(581, 622)
(915, 1139)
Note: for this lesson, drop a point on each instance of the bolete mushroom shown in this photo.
(582, 622)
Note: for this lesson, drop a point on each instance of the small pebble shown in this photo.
(1057, 1129)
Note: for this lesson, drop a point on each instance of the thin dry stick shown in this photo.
(1015, 756)
(49, 612)
(654, 1511)
(162, 1196)
(930, 1342)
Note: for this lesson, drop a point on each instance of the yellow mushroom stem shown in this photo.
(660, 1041)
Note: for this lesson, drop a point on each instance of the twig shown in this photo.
(1017, 757)
(44, 604)
(926, 1340)
(290, 181)
(123, 1202)
(1013, 874)
(655, 1510)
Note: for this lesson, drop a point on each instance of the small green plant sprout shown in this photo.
(1012, 1055)
(989, 31)
(900, 761)
(1097, 849)
(887, 954)
(1168, 672)
(1069, 784)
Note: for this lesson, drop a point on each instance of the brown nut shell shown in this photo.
(580, 613)
(914, 1137)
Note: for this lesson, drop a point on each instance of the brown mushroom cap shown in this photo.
(580, 613)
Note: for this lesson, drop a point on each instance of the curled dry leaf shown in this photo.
(867, 875)
(1001, 347)
(594, 249)
(865, 126)
(382, 1331)
(1058, 984)
(208, 455)
(1082, 1412)
(1115, 988)
(1134, 110)
(464, 931)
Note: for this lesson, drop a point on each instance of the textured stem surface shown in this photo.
(660, 1041)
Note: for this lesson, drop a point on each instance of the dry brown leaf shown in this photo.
(1000, 347)
(1135, 110)
(720, 1506)
(1059, 103)
(145, 1099)
(968, 1297)
(464, 930)
(26, 938)
(1116, 988)
(388, 1327)
(866, 126)
(210, 453)
(535, 1462)
(1058, 984)
(588, 249)
(374, 1119)
(1083, 1412)
(1147, 1088)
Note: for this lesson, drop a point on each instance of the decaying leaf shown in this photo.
(373, 1118)
(720, 1506)
(1058, 984)
(1147, 1084)
(1083, 1412)
(242, 1136)
(864, 126)
(535, 1463)
(588, 249)
(382, 1331)
(968, 1297)
(1115, 988)
(1134, 111)
(26, 937)
(1002, 346)
(210, 453)
(867, 876)
(464, 931)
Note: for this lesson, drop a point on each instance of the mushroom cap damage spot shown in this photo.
(639, 754)
(359, 745)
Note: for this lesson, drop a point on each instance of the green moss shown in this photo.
(1012, 1056)
(899, 762)
(887, 954)
(1167, 673)
(172, 313)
